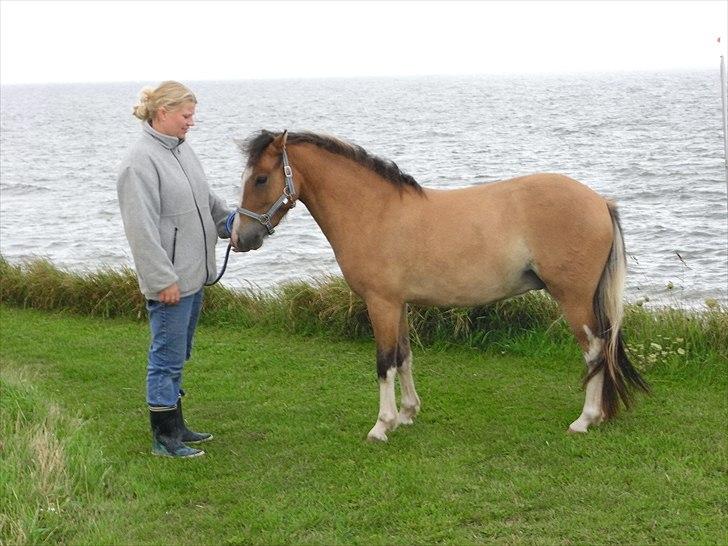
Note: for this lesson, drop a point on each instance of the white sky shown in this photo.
(189, 40)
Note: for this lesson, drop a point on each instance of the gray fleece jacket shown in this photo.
(171, 218)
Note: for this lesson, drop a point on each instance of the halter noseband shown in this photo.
(287, 198)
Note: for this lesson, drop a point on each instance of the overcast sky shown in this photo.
(188, 40)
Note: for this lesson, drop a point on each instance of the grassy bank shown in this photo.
(487, 460)
(286, 382)
(328, 307)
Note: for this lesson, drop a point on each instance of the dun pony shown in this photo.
(398, 243)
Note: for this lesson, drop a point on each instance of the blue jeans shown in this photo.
(173, 328)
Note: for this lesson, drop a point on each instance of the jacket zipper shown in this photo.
(199, 215)
(174, 244)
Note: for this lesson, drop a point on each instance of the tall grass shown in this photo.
(52, 470)
(38, 284)
(327, 306)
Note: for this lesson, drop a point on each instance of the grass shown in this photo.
(52, 469)
(328, 306)
(488, 459)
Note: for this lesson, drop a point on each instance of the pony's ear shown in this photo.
(279, 142)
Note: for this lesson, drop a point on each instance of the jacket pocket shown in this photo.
(174, 244)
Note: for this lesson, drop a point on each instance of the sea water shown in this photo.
(650, 141)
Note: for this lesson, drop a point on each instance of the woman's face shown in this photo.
(176, 122)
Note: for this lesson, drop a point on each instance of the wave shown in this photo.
(21, 188)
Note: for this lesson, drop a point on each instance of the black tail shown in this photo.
(620, 376)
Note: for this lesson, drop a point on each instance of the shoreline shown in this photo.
(647, 298)
(328, 307)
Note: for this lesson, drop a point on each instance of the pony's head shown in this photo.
(268, 191)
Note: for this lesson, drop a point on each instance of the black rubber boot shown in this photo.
(189, 436)
(166, 435)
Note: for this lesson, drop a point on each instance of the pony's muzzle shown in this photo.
(248, 236)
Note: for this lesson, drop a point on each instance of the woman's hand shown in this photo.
(170, 295)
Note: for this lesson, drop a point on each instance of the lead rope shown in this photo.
(224, 267)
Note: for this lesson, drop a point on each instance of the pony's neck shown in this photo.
(340, 194)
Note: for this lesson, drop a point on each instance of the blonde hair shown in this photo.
(169, 95)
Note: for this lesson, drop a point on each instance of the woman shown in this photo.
(172, 221)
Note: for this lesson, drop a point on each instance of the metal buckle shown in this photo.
(289, 200)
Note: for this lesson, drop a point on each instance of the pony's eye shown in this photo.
(262, 179)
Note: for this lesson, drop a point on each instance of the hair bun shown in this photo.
(141, 109)
(169, 95)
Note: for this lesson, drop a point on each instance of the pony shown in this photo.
(399, 243)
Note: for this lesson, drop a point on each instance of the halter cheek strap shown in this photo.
(287, 198)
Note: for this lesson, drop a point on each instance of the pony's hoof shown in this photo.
(376, 437)
(407, 415)
(404, 419)
(586, 420)
(378, 433)
(578, 428)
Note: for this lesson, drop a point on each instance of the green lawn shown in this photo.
(488, 459)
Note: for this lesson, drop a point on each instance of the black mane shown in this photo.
(257, 143)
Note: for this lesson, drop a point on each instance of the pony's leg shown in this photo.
(592, 413)
(410, 404)
(385, 317)
(581, 319)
